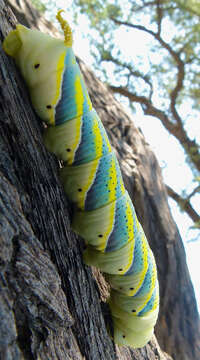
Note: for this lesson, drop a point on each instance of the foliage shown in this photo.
(191, 6)
(39, 5)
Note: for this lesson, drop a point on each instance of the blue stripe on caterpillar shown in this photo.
(104, 214)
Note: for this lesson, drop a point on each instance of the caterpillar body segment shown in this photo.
(107, 228)
(121, 308)
(80, 140)
(104, 214)
(94, 184)
(133, 330)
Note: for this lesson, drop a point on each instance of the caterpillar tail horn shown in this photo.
(66, 29)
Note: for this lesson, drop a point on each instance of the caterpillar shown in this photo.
(104, 215)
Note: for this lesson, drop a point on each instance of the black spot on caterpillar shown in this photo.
(104, 215)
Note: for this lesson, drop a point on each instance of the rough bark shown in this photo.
(50, 306)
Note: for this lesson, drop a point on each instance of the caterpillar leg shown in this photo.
(131, 328)
(125, 336)
(114, 262)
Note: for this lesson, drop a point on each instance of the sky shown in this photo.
(168, 152)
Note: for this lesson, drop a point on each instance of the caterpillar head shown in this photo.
(41, 60)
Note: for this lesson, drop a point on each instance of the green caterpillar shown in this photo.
(104, 214)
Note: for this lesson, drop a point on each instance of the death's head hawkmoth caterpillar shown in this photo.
(104, 214)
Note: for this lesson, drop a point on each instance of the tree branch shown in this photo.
(148, 107)
(196, 190)
(175, 55)
(139, 8)
(159, 15)
(190, 146)
(108, 57)
(156, 35)
(184, 203)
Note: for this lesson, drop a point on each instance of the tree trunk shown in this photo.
(50, 306)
